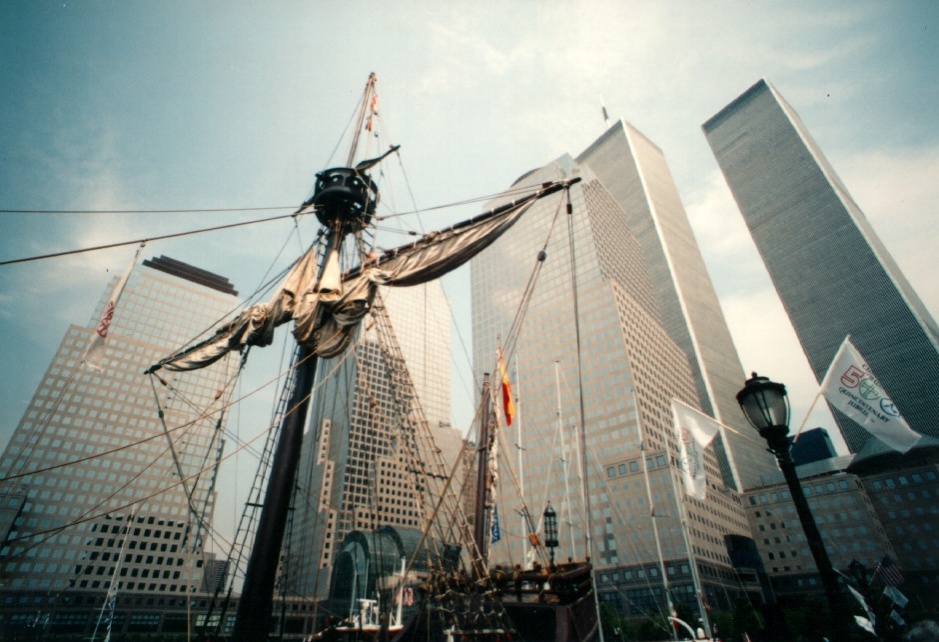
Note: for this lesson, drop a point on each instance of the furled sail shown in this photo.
(327, 311)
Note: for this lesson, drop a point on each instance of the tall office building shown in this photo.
(352, 475)
(107, 503)
(634, 171)
(632, 369)
(831, 271)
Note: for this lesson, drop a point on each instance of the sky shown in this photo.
(178, 105)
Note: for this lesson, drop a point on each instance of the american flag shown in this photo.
(889, 572)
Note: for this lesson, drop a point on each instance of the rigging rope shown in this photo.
(161, 237)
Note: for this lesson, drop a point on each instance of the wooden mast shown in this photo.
(332, 201)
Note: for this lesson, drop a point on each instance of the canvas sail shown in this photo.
(327, 312)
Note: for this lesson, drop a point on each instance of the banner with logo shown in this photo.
(851, 387)
(694, 430)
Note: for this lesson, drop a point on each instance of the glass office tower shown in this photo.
(352, 476)
(634, 171)
(831, 271)
(632, 369)
(108, 504)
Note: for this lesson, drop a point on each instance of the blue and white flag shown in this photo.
(895, 596)
(851, 387)
(494, 529)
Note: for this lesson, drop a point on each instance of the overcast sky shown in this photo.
(185, 105)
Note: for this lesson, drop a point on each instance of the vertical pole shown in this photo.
(521, 461)
(695, 578)
(652, 517)
(366, 99)
(482, 482)
(583, 412)
(565, 455)
(257, 596)
(813, 537)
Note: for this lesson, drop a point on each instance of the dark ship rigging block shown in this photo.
(344, 195)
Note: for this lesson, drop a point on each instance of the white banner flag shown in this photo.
(851, 387)
(694, 430)
(94, 353)
(896, 596)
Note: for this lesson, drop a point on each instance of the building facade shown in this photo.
(92, 486)
(812, 445)
(352, 476)
(866, 507)
(632, 369)
(904, 491)
(634, 171)
(843, 511)
(834, 276)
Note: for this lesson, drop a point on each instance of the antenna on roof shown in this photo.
(606, 116)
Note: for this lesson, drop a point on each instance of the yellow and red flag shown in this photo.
(508, 406)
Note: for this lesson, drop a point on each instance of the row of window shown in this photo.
(903, 480)
(633, 466)
(808, 489)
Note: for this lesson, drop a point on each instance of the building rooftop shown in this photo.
(191, 273)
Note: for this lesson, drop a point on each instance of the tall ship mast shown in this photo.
(328, 293)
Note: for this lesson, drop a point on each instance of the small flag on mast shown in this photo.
(495, 531)
(889, 572)
(508, 406)
(94, 353)
(694, 430)
(851, 387)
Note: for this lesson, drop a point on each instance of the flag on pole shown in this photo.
(896, 596)
(851, 387)
(495, 531)
(889, 572)
(863, 603)
(508, 406)
(694, 430)
(94, 353)
(865, 624)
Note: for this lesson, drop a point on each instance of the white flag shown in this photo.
(863, 603)
(94, 353)
(851, 387)
(694, 430)
(896, 596)
(865, 624)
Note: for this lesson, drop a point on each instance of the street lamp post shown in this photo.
(766, 407)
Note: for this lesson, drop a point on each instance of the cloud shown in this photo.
(898, 192)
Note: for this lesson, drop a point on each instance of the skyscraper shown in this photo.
(94, 485)
(352, 476)
(831, 271)
(634, 171)
(632, 369)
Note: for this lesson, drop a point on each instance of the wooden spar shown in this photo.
(366, 103)
(483, 483)
(257, 595)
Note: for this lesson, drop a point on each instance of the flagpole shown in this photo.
(521, 461)
(652, 516)
(695, 578)
(564, 460)
(807, 414)
(94, 352)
